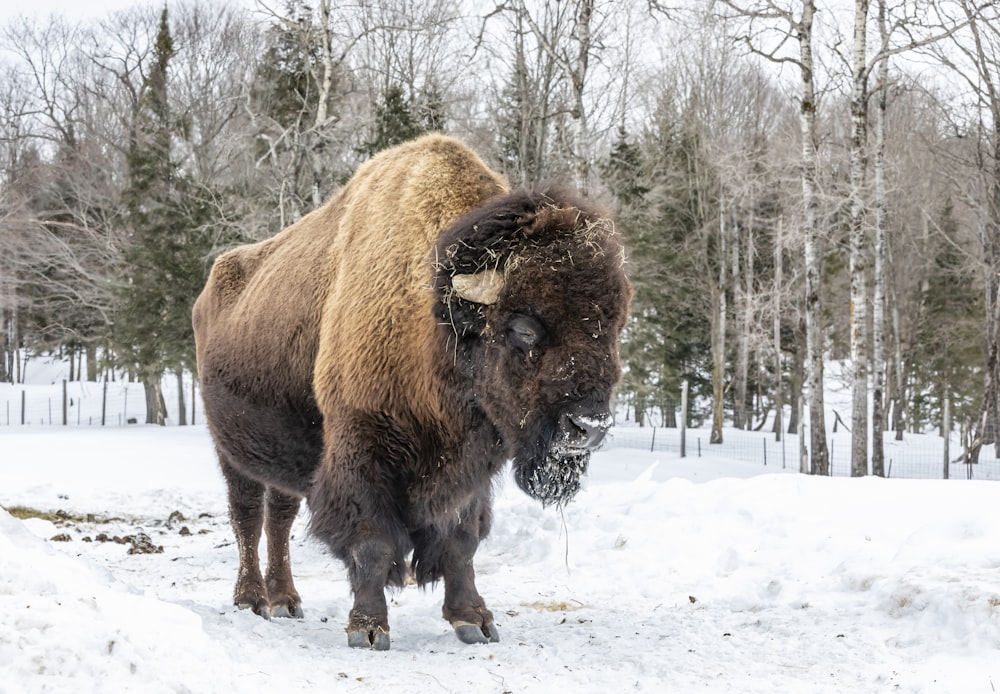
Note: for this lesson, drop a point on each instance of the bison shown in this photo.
(387, 354)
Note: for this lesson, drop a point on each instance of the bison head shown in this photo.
(532, 297)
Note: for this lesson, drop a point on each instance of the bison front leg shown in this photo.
(369, 566)
(463, 606)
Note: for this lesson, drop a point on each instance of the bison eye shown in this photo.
(525, 332)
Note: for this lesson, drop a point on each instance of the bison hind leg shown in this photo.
(250, 502)
(283, 599)
(246, 514)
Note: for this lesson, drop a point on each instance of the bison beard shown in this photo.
(549, 468)
(386, 355)
(555, 480)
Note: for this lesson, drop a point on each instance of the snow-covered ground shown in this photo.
(664, 575)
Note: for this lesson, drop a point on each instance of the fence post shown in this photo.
(947, 433)
(765, 451)
(23, 405)
(104, 403)
(64, 403)
(684, 418)
(652, 441)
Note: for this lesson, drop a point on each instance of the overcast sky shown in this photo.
(67, 8)
(76, 9)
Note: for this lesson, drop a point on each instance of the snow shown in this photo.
(702, 574)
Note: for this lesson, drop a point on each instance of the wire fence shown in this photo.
(120, 403)
(918, 456)
(89, 403)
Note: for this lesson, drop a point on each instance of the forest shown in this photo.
(799, 182)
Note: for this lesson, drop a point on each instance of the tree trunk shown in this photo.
(742, 340)
(985, 421)
(719, 337)
(3, 346)
(881, 229)
(156, 411)
(776, 324)
(858, 261)
(668, 416)
(820, 458)
(898, 418)
(578, 81)
(91, 363)
(745, 311)
(181, 406)
(574, 69)
(322, 103)
(796, 380)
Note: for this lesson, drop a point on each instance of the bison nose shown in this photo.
(589, 429)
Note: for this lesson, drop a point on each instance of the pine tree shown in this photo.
(947, 347)
(660, 214)
(394, 122)
(164, 259)
(284, 101)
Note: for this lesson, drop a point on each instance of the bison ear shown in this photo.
(481, 288)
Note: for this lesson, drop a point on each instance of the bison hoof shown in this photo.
(287, 611)
(474, 633)
(377, 640)
(259, 607)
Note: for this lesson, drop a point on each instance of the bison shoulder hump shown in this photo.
(229, 275)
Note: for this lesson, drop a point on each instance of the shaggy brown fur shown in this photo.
(347, 360)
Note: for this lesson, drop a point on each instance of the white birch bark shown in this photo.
(819, 452)
(323, 99)
(575, 69)
(858, 261)
(719, 336)
(779, 403)
(881, 229)
(739, 301)
(745, 311)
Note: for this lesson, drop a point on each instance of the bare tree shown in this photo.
(793, 21)
(572, 54)
(973, 56)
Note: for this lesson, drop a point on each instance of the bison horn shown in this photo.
(481, 288)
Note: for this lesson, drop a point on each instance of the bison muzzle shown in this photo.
(387, 354)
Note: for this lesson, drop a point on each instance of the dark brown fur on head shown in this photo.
(564, 287)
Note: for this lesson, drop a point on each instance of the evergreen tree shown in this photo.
(284, 100)
(947, 350)
(164, 258)
(393, 122)
(519, 129)
(662, 216)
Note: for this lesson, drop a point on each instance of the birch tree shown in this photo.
(793, 21)
(918, 33)
(858, 262)
(879, 260)
(979, 48)
(572, 55)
